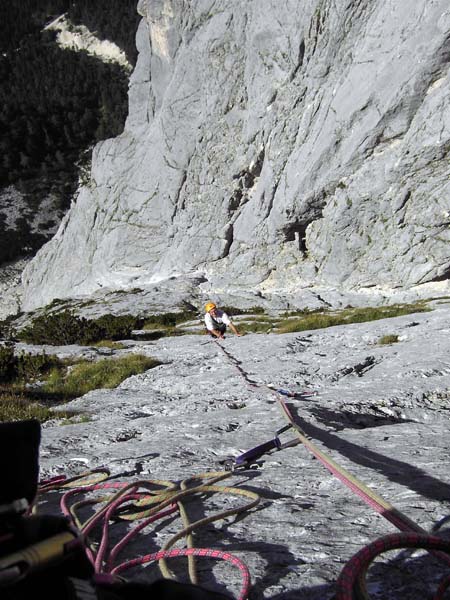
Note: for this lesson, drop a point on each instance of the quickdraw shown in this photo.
(249, 458)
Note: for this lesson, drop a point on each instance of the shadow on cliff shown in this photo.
(396, 470)
(346, 419)
(391, 578)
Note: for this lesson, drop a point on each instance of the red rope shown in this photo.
(412, 534)
(104, 560)
(352, 577)
(203, 552)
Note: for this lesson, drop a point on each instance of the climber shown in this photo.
(216, 321)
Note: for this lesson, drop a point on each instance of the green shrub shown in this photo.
(33, 367)
(116, 328)
(256, 310)
(66, 328)
(8, 363)
(233, 310)
(24, 367)
(168, 319)
(59, 329)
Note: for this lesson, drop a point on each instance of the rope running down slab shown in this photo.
(373, 499)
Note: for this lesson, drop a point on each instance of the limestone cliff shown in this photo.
(270, 144)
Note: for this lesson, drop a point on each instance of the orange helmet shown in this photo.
(209, 306)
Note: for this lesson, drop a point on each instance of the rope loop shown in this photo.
(190, 552)
(83, 479)
(351, 584)
(144, 502)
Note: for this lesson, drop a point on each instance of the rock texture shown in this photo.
(270, 146)
(381, 411)
(11, 288)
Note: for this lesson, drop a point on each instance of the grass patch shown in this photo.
(16, 406)
(318, 321)
(388, 339)
(302, 312)
(349, 315)
(31, 384)
(258, 326)
(85, 377)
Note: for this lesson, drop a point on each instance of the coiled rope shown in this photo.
(148, 501)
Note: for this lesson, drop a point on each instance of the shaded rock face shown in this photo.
(270, 144)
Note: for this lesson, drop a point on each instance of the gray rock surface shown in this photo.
(270, 145)
(11, 288)
(380, 411)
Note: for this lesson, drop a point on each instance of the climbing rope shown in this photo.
(371, 498)
(401, 521)
(148, 501)
(412, 536)
(85, 478)
(351, 584)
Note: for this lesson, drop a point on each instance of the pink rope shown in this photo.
(90, 488)
(355, 569)
(129, 536)
(103, 561)
(51, 481)
(203, 552)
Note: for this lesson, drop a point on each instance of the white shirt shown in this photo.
(220, 317)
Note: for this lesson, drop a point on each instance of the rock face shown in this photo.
(381, 412)
(270, 145)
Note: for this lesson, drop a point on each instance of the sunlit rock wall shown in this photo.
(270, 144)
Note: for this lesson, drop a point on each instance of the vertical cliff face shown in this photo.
(270, 144)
